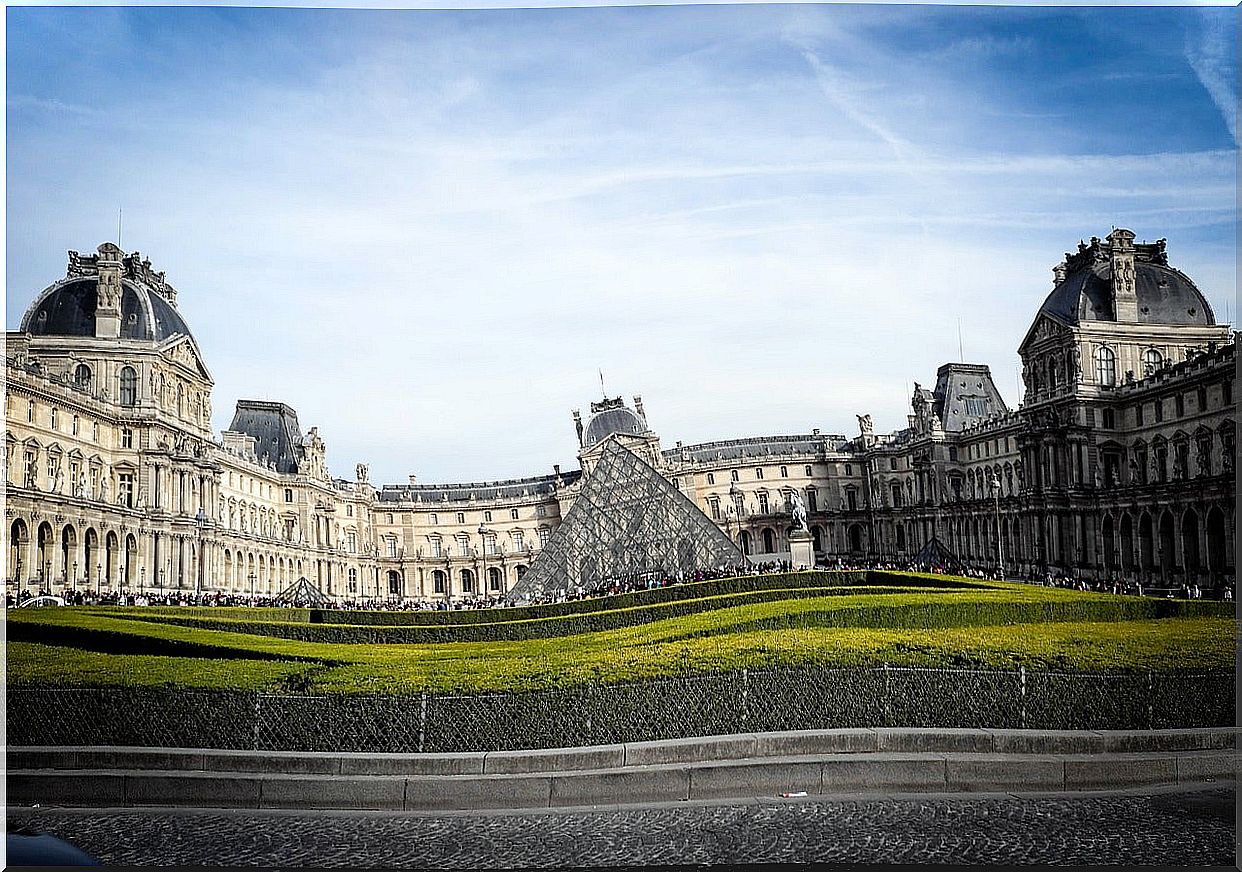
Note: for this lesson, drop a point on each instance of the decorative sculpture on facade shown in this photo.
(799, 511)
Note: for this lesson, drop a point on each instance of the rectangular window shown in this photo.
(851, 499)
(433, 518)
(733, 475)
(711, 479)
(30, 406)
(1159, 410)
(288, 495)
(351, 542)
(848, 469)
(391, 544)
(541, 511)
(513, 514)
(518, 543)
(784, 472)
(1138, 415)
(714, 504)
(489, 543)
(55, 418)
(544, 535)
(812, 500)
(808, 472)
(1226, 392)
(1107, 415)
(127, 437)
(75, 472)
(437, 547)
(53, 467)
(1201, 396)
(32, 468)
(125, 486)
(1179, 403)
(487, 517)
(892, 463)
(759, 474)
(461, 517)
(763, 502)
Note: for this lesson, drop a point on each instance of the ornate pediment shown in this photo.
(183, 352)
(1045, 329)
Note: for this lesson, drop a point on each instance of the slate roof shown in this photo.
(274, 426)
(610, 421)
(756, 447)
(1165, 296)
(508, 489)
(68, 309)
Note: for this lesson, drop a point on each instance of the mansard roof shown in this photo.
(277, 435)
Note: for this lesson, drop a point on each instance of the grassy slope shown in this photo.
(722, 639)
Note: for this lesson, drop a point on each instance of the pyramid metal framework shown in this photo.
(628, 524)
(303, 593)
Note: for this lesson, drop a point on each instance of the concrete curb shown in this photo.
(816, 763)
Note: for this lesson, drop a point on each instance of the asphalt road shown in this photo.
(1166, 828)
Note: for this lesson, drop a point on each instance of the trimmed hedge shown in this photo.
(856, 613)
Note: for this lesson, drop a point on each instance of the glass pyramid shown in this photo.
(628, 525)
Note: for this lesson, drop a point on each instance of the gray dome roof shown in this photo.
(609, 421)
(1165, 296)
(67, 308)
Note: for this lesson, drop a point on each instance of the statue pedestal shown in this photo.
(801, 550)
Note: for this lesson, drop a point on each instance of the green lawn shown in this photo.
(691, 630)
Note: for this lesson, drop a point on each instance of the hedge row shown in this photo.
(653, 596)
(856, 613)
(509, 630)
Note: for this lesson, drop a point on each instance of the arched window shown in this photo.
(711, 479)
(1105, 366)
(129, 386)
(438, 581)
(1152, 361)
(467, 580)
(82, 376)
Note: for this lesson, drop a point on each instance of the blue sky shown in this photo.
(428, 230)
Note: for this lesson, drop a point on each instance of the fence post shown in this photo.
(745, 699)
(888, 697)
(258, 709)
(1151, 716)
(422, 721)
(1022, 697)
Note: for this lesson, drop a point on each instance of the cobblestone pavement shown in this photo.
(1167, 829)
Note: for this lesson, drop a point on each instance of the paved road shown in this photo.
(1162, 828)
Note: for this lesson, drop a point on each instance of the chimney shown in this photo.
(108, 291)
(1121, 262)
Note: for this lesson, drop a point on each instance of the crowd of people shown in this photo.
(1114, 584)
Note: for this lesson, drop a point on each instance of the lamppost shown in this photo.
(735, 508)
(200, 521)
(252, 580)
(483, 553)
(75, 576)
(98, 578)
(994, 486)
(142, 581)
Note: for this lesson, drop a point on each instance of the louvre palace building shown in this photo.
(1118, 464)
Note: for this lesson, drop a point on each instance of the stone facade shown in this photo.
(1119, 462)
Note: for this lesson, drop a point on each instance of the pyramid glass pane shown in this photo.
(629, 524)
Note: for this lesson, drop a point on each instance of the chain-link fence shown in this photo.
(735, 702)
